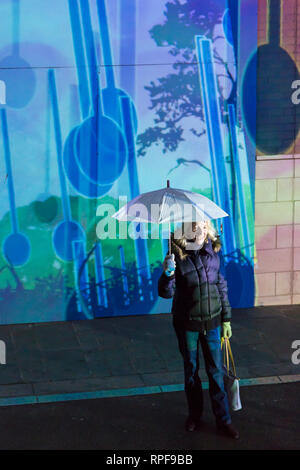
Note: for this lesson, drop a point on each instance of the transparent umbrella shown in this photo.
(169, 205)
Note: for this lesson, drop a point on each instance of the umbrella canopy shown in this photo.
(169, 205)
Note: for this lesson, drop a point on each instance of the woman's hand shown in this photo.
(169, 265)
(226, 330)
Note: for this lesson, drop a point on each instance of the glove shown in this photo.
(169, 265)
(226, 329)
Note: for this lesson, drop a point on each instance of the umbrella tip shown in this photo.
(168, 183)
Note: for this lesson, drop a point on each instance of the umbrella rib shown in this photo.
(167, 196)
(195, 204)
(162, 204)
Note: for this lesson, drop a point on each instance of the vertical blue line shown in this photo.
(100, 276)
(106, 48)
(216, 189)
(124, 276)
(140, 243)
(47, 150)
(11, 191)
(16, 27)
(79, 57)
(128, 45)
(239, 179)
(213, 122)
(130, 138)
(79, 256)
(58, 141)
(91, 57)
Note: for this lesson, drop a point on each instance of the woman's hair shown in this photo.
(185, 227)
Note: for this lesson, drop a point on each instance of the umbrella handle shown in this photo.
(168, 185)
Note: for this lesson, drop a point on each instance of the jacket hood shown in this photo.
(178, 246)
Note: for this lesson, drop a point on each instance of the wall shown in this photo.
(277, 186)
(155, 85)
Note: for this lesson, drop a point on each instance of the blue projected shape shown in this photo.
(80, 182)
(16, 246)
(64, 234)
(83, 85)
(19, 79)
(100, 277)
(227, 26)
(68, 230)
(239, 179)
(81, 278)
(111, 95)
(76, 177)
(101, 151)
(111, 98)
(15, 71)
(16, 249)
(208, 85)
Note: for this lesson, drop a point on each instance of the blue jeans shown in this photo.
(189, 345)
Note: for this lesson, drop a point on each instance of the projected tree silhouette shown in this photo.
(176, 96)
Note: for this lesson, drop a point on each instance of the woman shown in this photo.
(201, 312)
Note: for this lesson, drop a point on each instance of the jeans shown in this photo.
(189, 342)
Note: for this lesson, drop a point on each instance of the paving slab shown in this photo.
(97, 363)
(162, 378)
(120, 362)
(87, 339)
(15, 390)
(24, 337)
(56, 336)
(32, 370)
(64, 364)
(89, 384)
(243, 372)
(6, 335)
(109, 350)
(246, 335)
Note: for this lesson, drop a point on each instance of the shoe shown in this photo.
(192, 425)
(228, 430)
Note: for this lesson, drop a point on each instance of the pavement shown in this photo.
(269, 420)
(135, 355)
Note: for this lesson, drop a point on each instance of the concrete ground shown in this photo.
(270, 419)
(106, 354)
(116, 384)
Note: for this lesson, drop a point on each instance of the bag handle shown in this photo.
(231, 357)
(225, 355)
(228, 353)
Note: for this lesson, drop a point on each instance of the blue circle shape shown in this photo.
(16, 249)
(19, 79)
(101, 150)
(64, 234)
(78, 180)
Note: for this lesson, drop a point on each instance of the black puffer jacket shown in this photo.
(198, 288)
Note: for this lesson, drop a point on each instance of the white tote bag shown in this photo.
(231, 380)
